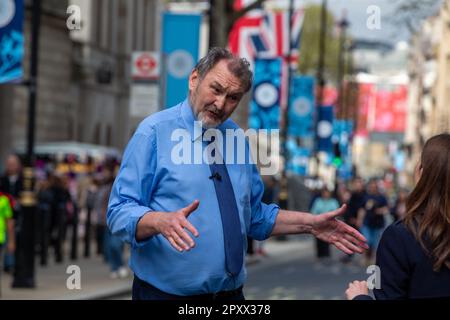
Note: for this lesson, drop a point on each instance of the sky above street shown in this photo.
(357, 16)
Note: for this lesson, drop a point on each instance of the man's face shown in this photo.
(12, 165)
(358, 185)
(372, 187)
(216, 96)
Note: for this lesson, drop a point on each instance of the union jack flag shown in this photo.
(264, 34)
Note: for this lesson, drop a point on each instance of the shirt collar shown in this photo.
(187, 113)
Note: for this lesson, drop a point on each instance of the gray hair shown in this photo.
(239, 67)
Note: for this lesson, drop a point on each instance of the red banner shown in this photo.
(366, 101)
(390, 113)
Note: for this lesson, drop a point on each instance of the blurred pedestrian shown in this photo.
(45, 203)
(371, 220)
(398, 210)
(6, 225)
(342, 194)
(324, 203)
(414, 252)
(60, 213)
(355, 203)
(11, 183)
(94, 201)
(112, 244)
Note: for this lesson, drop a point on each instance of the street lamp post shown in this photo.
(320, 78)
(283, 181)
(24, 269)
(322, 48)
(343, 25)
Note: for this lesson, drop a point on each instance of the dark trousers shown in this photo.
(145, 291)
(99, 237)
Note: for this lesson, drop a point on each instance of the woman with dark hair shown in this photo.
(414, 252)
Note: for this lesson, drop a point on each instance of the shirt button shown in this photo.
(229, 274)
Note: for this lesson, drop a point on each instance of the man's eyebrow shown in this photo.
(215, 83)
(236, 93)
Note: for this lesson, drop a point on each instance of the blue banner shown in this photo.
(180, 52)
(265, 104)
(342, 134)
(325, 128)
(11, 40)
(298, 158)
(301, 107)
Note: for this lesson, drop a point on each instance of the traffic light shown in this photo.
(337, 159)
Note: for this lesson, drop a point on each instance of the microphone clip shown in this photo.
(216, 175)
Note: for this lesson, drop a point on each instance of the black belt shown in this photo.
(206, 296)
(220, 294)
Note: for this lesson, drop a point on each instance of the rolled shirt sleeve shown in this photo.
(263, 215)
(132, 188)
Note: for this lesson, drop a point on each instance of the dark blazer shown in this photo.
(12, 189)
(406, 269)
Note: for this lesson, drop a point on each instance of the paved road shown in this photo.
(290, 272)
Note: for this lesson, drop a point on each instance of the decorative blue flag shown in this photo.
(180, 52)
(342, 133)
(11, 40)
(298, 158)
(265, 104)
(301, 107)
(325, 129)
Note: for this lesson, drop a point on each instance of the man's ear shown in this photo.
(193, 80)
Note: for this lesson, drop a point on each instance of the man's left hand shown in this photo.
(347, 239)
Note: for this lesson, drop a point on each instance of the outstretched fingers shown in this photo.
(342, 247)
(354, 236)
(186, 224)
(183, 245)
(349, 245)
(356, 241)
(174, 244)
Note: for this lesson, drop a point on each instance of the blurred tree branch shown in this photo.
(409, 13)
(222, 18)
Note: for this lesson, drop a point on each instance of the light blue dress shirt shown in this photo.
(149, 180)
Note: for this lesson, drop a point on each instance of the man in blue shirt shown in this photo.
(160, 204)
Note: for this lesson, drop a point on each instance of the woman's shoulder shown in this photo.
(398, 234)
(398, 227)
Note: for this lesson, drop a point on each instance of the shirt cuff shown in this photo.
(272, 211)
(132, 226)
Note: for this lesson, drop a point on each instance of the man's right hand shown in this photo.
(171, 225)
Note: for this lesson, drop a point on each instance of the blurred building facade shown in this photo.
(382, 66)
(111, 30)
(429, 68)
(55, 110)
(84, 75)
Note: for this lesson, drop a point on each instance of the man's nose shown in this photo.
(220, 102)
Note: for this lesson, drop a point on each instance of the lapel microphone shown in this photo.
(216, 175)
